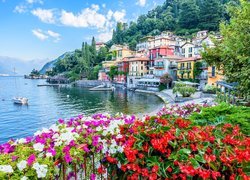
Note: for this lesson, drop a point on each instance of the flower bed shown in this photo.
(101, 146)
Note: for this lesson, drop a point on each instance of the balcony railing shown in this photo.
(159, 66)
(172, 66)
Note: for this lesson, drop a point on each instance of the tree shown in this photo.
(189, 16)
(93, 51)
(232, 53)
(113, 72)
(210, 15)
(34, 72)
(197, 69)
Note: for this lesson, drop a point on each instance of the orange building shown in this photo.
(214, 75)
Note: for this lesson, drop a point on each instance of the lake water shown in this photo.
(48, 104)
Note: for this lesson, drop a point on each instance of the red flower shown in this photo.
(188, 170)
(101, 170)
(153, 176)
(215, 174)
(155, 169)
(169, 169)
(130, 154)
(209, 158)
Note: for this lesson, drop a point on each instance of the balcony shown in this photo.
(172, 66)
(159, 66)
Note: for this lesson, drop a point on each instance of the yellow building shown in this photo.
(186, 66)
(118, 53)
(214, 75)
(138, 66)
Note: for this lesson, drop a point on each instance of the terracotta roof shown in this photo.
(190, 59)
(137, 59)
(99, 43)
(157, 47)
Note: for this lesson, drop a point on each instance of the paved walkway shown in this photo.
(169, 98)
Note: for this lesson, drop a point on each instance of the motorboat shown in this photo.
(20, 100)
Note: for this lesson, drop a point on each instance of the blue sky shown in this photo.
(41, 29)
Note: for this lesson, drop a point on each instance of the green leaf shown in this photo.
(200, 158)
(177, 132)
(184, 151)
(194, 163)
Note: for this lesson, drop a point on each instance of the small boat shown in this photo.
(20, 100)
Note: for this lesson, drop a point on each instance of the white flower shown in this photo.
(38, 133)
(24, 178)
(49, 155)
(41, 170)
(38, 147)
(54, 128)
(22, 141)
(22, 165)
(6, 168)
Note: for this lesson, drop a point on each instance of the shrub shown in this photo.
(183, 89)
(171, 148)
(224, 113)
(210, 89)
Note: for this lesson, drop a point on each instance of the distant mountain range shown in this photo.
(8, 64)
(51, 64)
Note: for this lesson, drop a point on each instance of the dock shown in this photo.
(49, 85)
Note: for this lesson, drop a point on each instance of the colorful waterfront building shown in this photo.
(118, 53)
(185, 67)
(214, 75)
(158, 52)
(188, 50)
(143, 45)
(166, 38)
(166, 64)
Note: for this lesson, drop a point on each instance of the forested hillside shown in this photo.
(184, 17)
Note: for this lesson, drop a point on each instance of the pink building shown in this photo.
(158, 52)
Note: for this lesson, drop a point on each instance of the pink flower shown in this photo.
(67, 158)
(31, 159)
(52, 151)
(14, 158)
(92, 177)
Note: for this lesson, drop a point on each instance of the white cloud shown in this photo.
(40, 34)
(141, 3)
(119, 15)
(89, 17)
(45, 15)
(44, 35)
(104, 5)
(20, 9)
(34, 1)
(104, 37)
(110, 15)
(56, 36)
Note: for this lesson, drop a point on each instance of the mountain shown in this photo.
(52, 63)
(8, 64)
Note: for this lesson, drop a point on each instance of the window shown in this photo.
(141, 67)
(213, 71)
(151, 56)
(189, 65)
(141, 74)
(119, 53)
(182, 65)
(189, 55)
(141, 62)
(190, 50)
(183, 50)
